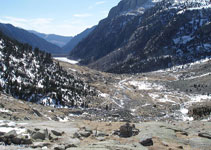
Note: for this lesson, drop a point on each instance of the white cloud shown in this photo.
(100, 2)
(26, 23)
(82, 15)
(96, 4)
(15, 19)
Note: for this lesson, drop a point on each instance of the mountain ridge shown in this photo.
(132, 42)
(24, 36)
(77, 39)
(58, 40)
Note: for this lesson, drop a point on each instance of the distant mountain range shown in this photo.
(24, 36)
(76, 39)
(51, 43)
(146, 35)
(53, 38)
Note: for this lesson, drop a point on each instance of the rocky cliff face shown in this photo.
(112, 32)
(141, 36)
(126, 6)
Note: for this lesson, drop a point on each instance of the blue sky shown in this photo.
(62, 17)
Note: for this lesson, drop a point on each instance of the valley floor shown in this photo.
(169, 94)
(162, 105)
(91, 135)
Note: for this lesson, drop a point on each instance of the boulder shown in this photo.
(16, 140)
(26, 118)
(38, 136)
(101, 138)
(40, 145)
(126, 130)
(46, 133)
(56, 133)
(146, 141)
(2, 133)
(11, 134)
(101, 134)
(13, 138)
(205, 135)
(60, 147)
(84, 133)
(36, 129)
(21, 140)
(70, 146)
(36, 112)
(52, 137)
(76, 135)
(3, 139)
(26, 141)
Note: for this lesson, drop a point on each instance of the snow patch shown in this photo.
(64, 59)
(199, 98)
(183, 39)
(160, 98)
(8, 129)
(141, 9)
(188, 65)
(184, 115)
(1, 44)
(7, 126)
(200, 76)
(72, 70)
(104, 95)
(47, 101)
(144, 85)
(66, 119)
(4, 110)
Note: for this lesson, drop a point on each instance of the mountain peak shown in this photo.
(136, 7)
(126, 6)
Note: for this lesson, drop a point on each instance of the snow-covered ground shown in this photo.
(66, 119)
(145, 85)
(182, 67)
(103, 95)
(161, 94)
(65, 59)
(1, 44)
(4, 110)
(7, 126)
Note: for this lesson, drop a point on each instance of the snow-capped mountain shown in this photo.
(145, 35)
(35, 77)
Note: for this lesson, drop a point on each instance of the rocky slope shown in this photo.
(170, 94)
(168, 109)
(140, 36)
(32, 75)
(49, 130)
(24, 36)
